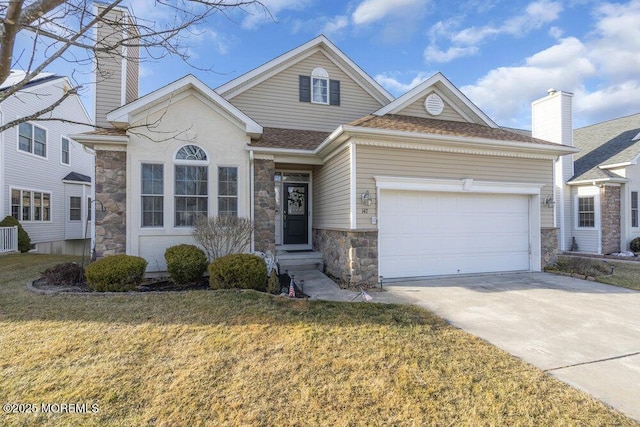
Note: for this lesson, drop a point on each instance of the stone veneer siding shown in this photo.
(264, 205)
(549, 243)
(610, 218)
(351, 256)
(111, 195)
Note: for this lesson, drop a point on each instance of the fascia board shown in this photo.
(124, 114)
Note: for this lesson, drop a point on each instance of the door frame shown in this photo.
(279, 219)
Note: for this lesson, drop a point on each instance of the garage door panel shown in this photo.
(423, 233)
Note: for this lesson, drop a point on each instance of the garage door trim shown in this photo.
(469, 185)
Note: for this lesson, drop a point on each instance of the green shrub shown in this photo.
(185, 263)
(273, 284)
(65, 274)
(634, 246)
(116, 273)
(24, 241)
(244, 271)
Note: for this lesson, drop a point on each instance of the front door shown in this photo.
(295, 220)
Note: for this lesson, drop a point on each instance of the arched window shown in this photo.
(320, 86)
(191, 188)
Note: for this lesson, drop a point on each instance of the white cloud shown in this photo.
(396, 87)
(370, 11)
(334, 25)
(466, 42)
(506, 92)
(433, 54)
(601, 71)
(256, 15)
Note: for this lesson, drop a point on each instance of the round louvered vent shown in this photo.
(434, 104)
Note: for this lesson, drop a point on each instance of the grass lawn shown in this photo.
(244, 358)
(625, 274)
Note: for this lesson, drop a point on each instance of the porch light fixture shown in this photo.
(549, 202)
(366, 198)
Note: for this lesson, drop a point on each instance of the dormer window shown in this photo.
(319, 89)
(319, 86)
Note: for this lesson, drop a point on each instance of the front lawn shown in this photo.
(625, 274)
(246, 358)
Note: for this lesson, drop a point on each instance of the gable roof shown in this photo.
(442, 86)
(123, 115)
(321, 43)
(16, 76)
(605, 145)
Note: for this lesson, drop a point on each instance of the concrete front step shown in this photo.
(299, 260)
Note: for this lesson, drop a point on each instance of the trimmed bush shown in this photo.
(185, 263)
(273, 284)
(116, 273)
(243, 271)
(634, 246)
(65, 274)
(24, 241)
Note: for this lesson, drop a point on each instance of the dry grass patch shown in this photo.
(625, 274)
(245, 358)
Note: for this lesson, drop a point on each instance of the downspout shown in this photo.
(251, 198)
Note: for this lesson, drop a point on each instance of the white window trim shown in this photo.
(31, 153)
(32, 190)
(80, 209)
(164, 197)
(62, 137)
(596, 209)
(187, 162)
(217, 187)
(320, 74)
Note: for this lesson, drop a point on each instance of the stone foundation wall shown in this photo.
(350, 256)
(610, 219)
(549, 243)
(264, 205)
(111, 194)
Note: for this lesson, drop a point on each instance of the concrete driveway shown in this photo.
(584, 333)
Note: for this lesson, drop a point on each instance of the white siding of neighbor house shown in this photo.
(202, 124)
(275, 102)
(588, 239)
(26, 171)
(331, 192)
(416, 109)
(397, 162)
(632, 173)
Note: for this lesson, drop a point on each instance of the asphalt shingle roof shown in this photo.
(444, 127)
(606, 143)
(290, 138)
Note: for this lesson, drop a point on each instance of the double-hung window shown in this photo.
(191, 172)
(318, 88)
(634, 208)
(228, 191)
(64, 151)
(152, 195)
(32, 139)
(75, 208)
(586, 212)
(29, 205)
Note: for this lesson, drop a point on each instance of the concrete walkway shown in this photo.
(584, 333)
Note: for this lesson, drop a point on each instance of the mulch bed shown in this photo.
(155, 285)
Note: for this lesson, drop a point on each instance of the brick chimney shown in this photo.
(116, 71)
(552, 120)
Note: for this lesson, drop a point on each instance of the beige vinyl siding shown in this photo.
(379, 161)
(416, 109)
(132, 74)
(108, 95)
(331, 190)
(275, 102)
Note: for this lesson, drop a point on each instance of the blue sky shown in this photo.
(502, 54)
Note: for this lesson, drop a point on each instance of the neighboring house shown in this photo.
(321, 157)
(46, 178)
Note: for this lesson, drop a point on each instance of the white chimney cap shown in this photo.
(551, 91)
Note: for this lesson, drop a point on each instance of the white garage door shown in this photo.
(432, 233)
